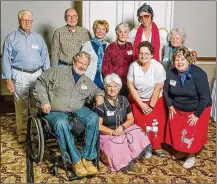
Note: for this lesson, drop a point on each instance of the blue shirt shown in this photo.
(25, 52)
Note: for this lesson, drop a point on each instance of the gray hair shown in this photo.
(28, 12)
(145, 8)
(112, 78)
(179, 31)
(81, 54)
(122, 25)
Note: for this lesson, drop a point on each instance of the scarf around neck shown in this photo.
(155, 41)
(185, 75)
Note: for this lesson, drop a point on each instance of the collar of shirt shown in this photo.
(71, 30)
(22, 32)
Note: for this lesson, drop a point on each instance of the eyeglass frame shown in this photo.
(145, 54)
(144, 16)
(26, 21)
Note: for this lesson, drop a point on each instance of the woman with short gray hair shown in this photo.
(176, 38)
(117, 129)
(118, 56)
(147, 31)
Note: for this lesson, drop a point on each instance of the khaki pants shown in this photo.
(25, 103)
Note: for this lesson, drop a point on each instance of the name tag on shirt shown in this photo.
(110, 113)
(129, 52)
(34, 46)
(172, 82)
(83, 86)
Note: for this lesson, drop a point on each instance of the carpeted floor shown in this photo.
(154, 170)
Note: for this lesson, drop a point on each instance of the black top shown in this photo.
(112, 114)
(194, 95)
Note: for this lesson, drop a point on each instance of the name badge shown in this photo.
(110, 113)
(172, 82)
(129, 52)
(83, 86)
(34, 46)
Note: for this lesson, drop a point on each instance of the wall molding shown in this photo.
(206, 59)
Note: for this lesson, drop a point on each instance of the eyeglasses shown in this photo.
(26, 21)
(144, 16)
(144, 54)
(71, 16)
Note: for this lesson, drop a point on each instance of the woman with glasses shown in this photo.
(176, 38)
(145, 81)
(118, 56)
(121, 141)
(96, 48)
(147, 31)
(189, 101)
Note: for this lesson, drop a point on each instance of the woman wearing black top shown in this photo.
(189, 101)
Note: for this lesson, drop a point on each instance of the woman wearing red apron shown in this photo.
(145, 80)
(189, 101)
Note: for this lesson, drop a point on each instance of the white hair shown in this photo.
(112, 78)
(122, 25)
(28, 12)
(179, 31)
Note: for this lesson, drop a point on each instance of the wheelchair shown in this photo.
(40, 140)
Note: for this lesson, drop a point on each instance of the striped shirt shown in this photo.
(67, 43)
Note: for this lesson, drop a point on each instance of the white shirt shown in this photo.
(144, 82)
(132, 35)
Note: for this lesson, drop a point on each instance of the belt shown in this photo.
(27, 71)
(65, 63)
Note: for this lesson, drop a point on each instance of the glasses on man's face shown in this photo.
(144, 17)
(71, 16)
(144, 54)
(26, 21)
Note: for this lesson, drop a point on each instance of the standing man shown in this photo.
(25, 56)
(68, 40)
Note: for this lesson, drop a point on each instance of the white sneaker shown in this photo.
(190, 161)
(148, 155)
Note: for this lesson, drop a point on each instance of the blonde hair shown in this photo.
(28, 12)
(101, 22)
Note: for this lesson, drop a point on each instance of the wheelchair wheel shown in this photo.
(29, 167)
(35, 139)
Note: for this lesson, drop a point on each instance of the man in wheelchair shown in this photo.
(62, 90)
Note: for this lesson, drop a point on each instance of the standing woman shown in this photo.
(189, 101)
(176, 38)
(147, 31)
(145, 81)
(118, 56)
(96, 49)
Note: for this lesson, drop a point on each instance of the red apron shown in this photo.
(155, 131)
(185, 138)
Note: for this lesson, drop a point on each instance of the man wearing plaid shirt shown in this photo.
(68, 40)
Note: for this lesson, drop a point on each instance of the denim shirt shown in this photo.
(25, 52)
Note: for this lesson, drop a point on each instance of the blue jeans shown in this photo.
(62, 130)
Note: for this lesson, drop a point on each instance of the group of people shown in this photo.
(137, 101)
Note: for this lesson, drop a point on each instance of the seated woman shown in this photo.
(121, 141)
(176, 38)
(118, 56)
(145, 81)
(96, 49)
(189, 101)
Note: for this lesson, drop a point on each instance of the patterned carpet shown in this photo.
(154, 170)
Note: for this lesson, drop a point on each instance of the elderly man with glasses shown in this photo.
(68, 40)
(24, 57)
